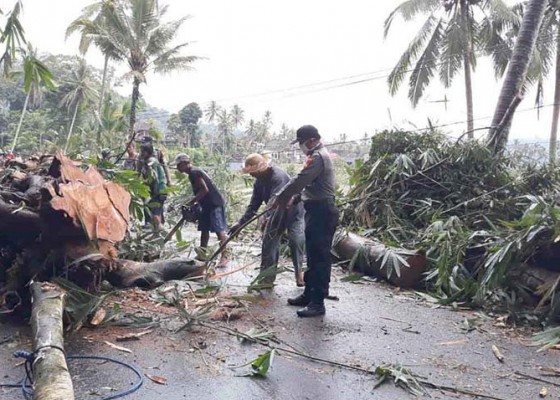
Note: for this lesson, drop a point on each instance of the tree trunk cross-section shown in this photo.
(51, 377)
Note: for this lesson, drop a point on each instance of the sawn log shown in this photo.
(51, 377)
(367, 257)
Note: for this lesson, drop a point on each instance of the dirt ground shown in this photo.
(371, 324)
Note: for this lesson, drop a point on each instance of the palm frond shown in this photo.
(410, 9)
(404, 64)
(454, 44)
(163, 35)
(425, 67)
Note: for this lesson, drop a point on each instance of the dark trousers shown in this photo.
(321, 219)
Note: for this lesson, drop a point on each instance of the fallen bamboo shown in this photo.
(51, 379)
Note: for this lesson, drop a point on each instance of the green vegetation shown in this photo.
(480, 218)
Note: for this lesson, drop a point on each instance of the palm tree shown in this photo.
(212, 111)
(93, 19)
(237, 117)
(113, 120)
(446, 43)
(545, 55)
(516, 74)
(225, 124)
(81, 90)
(35, 76)
(12, 36)
(137, 34)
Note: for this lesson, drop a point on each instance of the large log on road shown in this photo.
(51, 377)
(149, 275)
(368, 258)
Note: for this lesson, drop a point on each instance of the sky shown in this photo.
(296, 58)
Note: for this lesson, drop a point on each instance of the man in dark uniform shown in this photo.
(316, 184)
(212, 217)
(269, 180)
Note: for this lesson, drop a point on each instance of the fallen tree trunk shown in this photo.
(376, 259)
(51, 377)
(18, 223)
(149, 275)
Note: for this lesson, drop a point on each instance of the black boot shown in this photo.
(312, 310)
(301, 301)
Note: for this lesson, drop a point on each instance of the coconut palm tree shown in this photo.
(237, 116)
(35, 76)
(516, 74)
(446, 43)
(93, 19)
(225, 125)
(12, 36)
(137, 33)
(80, 91)
(212, 111)
(113, 120)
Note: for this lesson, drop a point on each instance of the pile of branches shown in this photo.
(481, 218)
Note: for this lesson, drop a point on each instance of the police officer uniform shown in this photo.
(316, 183)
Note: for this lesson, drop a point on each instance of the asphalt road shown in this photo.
(371, 324)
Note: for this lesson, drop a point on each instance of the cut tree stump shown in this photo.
(51, 377)
(367, 257)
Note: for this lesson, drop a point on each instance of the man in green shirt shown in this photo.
(153, 173)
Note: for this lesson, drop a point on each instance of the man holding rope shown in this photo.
(269, 180)
(316, 183)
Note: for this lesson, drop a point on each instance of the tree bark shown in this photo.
(18, 225)
(133, 103)
(370, 261)
(556, 107)
(14, 144)
(51, 377)
(467, 66)
(149, 275)
(103, 85)
(516, 73)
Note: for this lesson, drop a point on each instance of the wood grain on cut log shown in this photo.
(99, 207)
(51, 377)
(346, 246)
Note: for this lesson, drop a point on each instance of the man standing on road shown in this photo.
(269, 180)
(152, 172)
(212, 217)
(316, 183)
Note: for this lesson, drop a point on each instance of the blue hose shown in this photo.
(25, 382)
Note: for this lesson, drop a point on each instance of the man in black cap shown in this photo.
(159, 156)
(315, 185)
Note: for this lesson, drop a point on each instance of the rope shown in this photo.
(26, 383)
